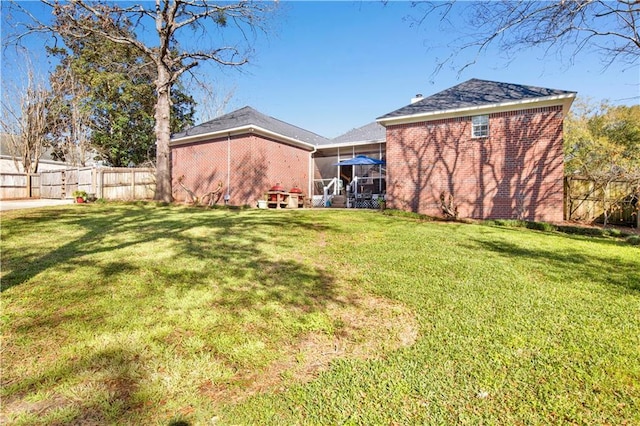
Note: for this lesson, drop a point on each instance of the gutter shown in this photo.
(348, 144)
(311, 174)
(240, 131)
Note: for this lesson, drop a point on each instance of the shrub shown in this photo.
(634, 240)
(79, 194)
(408, 215)
(541, 226)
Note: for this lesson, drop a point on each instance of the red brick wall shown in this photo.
(257, 163)
(515, 172)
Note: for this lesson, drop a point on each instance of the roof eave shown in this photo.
(250, 129)
(566, 99)
(354, 143)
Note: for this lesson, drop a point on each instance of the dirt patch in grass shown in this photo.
(366, 328)
(14, 406)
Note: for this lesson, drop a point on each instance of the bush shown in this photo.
(577, 230)
(516, 223)
(634, 240)
(408, 215)
(79, 194)
(615, 232)
(541, 226)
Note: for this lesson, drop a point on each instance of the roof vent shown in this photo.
(417, 98)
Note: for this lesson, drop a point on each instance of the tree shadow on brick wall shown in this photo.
(432, 165)
(448, 151)
(419, 168)
(532, 153)
(251, 181)
(510, 171)
(202, 180)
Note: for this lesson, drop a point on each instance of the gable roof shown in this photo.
(477, 95)
(369, 133)
(7, 151)
(248, 120)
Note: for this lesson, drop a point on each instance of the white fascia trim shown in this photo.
(565, 100)
(347, 144)
(240, 131)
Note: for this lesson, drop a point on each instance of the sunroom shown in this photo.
(349, 171)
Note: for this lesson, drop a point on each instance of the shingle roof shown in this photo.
(248, 116)
(474, 93)
(372, 132)
(6, 149)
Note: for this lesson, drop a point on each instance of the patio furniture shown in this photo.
(277, 199)
(364, 201)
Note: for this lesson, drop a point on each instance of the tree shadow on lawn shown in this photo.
(574, 264)
(286, 281)
(119, 374)
(236, 257)
(147, 225)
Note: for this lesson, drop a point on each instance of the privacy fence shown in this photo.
(584, 200)
(106, 183)
(614, 203)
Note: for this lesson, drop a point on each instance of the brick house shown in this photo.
(248, 152)
(495, 148)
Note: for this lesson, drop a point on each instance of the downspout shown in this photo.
(227, 196)
(380, 168)
(311, 175)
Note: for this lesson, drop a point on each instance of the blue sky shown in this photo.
(331, 66)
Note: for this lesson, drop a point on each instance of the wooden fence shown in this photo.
(586, 201)
(107, 183)
(15, 185)
(125, 184)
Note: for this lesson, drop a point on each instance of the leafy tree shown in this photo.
(109, 87)
(602, 143)
(169, 48)
(603, 139)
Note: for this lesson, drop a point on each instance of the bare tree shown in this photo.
(174, 21)
(565, 27)
(24, 122)
(70, 133)
(212, 103)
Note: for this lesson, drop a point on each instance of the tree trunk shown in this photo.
(163, 135)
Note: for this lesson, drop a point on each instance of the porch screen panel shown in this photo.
(374, 176)
(325, 168)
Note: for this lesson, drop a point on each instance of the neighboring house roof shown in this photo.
(367, 134)
(248, 120)
(475, 96)
(7, 150)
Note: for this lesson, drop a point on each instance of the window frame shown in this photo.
(480, 127)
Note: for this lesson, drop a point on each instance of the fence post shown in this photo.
(565, 204)
(133, 184)
(94, 178)
(101, 182)
(637, 195)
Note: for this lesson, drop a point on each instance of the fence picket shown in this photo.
(107, 183)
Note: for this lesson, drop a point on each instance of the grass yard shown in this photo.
(145, 314)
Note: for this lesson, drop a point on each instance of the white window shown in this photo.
(480, 126)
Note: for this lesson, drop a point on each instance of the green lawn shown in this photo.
(144, 314)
